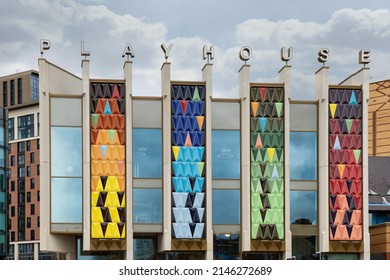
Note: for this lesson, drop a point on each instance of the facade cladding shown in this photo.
(186, 175)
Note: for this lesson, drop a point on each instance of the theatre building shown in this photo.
(187, 175)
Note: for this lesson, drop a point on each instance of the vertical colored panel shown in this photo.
(188, 161)
(108, 161)
(345, 164)
(267, 163)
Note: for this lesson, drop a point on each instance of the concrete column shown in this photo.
(285, 77)
(44, 155)
(322, 87)
(166, 239)
(36, 251)
(362, 78)
(127, 69)
(86, 157)
(208, 78)
(244, 88)
(16, 251)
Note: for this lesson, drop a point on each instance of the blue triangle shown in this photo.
(103, 150)
(352, 100)
(275, 174)
(186, 183)
(107, 109)
(263, 122)
(337, 145)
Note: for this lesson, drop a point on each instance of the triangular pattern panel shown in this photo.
(188, 161)
(345, 164)
(107, 160)
(267, 162)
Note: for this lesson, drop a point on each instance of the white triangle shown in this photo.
(198, 230)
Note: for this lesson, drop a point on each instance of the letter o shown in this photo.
(245, 53)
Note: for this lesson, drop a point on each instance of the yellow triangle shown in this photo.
(271, 152)
(333, 108)
(255, 106)
(200, 120)
(176, 150)
(99, 186)
(94, 196)
(114, 215)
(97, 230)
(113, 183)
(341, 168)
(112, 200)
(124, 232)
(124, 201)
(97, 215)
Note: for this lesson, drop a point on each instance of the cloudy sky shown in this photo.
(105, 26)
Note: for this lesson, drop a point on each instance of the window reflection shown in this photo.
(226, 247)
(66, 195)
(303, 207)
(226, 207)
(304, 247)
(226, 154)
(147, 153)
(147, 206)
(303, 155)
(66, 155)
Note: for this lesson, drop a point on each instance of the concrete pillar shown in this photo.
(207, 77)
(16, 251)
(166, 239)
(36, 251)
(322, 88)
(244, 88)
(86, 157)
(285, 77)
(127, 70)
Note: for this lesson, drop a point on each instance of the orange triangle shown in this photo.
(114, 107)
(341, 168)
(121, 182)
(120, 167)
(188, 142)
(200, 120)
(259, 144)
(255, 106)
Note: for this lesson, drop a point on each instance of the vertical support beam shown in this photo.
(362, 78)
(166, 239)
(44, 112)
(244, 88)
(285, 77)
(36, 251)
(374, 132)
(86, 157)
(208, 78)
(127, 71)
(322, 90)
(16, 251)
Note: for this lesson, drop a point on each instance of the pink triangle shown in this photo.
(184, 104)
(259, 144)
(188, 142)
(115, 93)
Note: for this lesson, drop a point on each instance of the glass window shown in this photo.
(304, 247)
(147, 153)
(11, 129)
(2, 136)
(5, 94)
(65, 111)
(26, 126)
(226, 247)
(2, 157)
(303, 117)
(144, 248)
(226, 207)
(32, 158)
(66, 156)
(12, 91)
(66, 200)
(303, 155)
(147, 206)
(226, 154)
(225, 115)
(20, 95)
(34, 87)
(303, 207)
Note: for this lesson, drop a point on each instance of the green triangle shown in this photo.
(279, 107)
(256, 217)
(256, 186)
(196, 95)
(95, 119)
(200, 168)
(111, 134)
(255, 229)
(356, 153)
(280, 231)
(349, 125)
(256, 201)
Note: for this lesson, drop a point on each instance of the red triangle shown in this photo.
(352, 171)
(343, 187)
(114, 107)
(334, 187)
(100, 106)
(263, 91)
(106, 121)
(358, 172)
(344, 157)
(115, 93)
(339, 217)
(114, 121)
(357, 141)
(121, 136)
(334, 127)
(94, 135)
(351, 157)
(358, 201)
(356, 188)
(121, 119)
(184, 104)
(120, 166)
